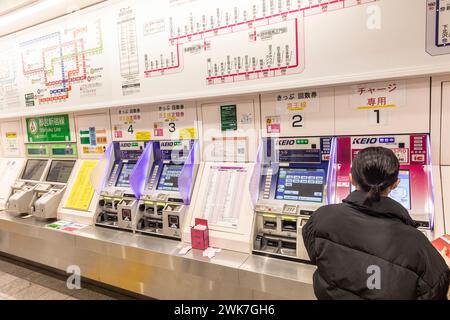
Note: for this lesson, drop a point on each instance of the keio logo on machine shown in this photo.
(373, 140)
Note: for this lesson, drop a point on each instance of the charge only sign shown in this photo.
(54, 128)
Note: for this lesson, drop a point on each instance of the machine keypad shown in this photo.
(267, 184)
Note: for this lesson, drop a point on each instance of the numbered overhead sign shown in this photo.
(395, 106)
(131, 123)
(155, 122)
(298, 112)
(172, 121)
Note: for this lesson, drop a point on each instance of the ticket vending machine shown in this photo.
(223, 193)
(295, 173)
(296, 128)
(13, 157)
(394, 114)
(80, 201)
(49, 192)
(43, 180)
(415, 191)
(117, 203)
(23, 189)
(163, 179)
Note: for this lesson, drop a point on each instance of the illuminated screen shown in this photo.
(60, 171)
(169, 177)
(300, 184)
(401, 194)
(124, 176)
(34, 169)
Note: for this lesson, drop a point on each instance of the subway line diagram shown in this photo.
(242, 40)
(63, 64)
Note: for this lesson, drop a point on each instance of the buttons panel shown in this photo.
(153, 177)
(267, 184)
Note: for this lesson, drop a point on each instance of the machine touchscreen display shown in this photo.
(60, 171)
(124, 177)
(169, 177)
(300, 184)
(34, 169)
(401, 194)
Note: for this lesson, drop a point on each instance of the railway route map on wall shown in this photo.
(127, 53)
(63, 65)
(228, 41)
(438, 27)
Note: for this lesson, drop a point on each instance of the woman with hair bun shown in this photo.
(368, 247)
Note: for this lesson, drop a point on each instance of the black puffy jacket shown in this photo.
(346, 240)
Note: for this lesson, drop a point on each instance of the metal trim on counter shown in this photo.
(151, 266)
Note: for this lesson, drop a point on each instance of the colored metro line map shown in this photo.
(238, 40)
(139, 51)
(59, 64)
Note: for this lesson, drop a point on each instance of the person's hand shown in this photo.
(443, 253)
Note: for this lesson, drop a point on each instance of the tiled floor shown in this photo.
(19, 281)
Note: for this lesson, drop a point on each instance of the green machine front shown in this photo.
(51, 157)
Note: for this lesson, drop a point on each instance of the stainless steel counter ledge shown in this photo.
(152, 266)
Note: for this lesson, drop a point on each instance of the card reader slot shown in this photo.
(288, 245)
(159, 209)
(272, 243)
(288, 248)
(152, 224)
(270, 223)
(111, 217)
(108, 204)
(289, 225)
(150, 210)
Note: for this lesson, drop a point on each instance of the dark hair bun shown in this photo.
(375, 169)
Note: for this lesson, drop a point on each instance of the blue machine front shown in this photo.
(302, 175)
(121, 171)
(169, 160)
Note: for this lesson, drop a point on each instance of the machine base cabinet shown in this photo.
(152, 266)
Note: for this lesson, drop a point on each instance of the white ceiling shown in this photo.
(8, 7)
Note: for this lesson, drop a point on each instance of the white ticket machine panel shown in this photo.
(293, 183)
(23, 189)
(223, 192)
(49, 192)
(415, 191)
(224, 200)
(10, 169)
(164, 179)
(12, 161)
(117, 203)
